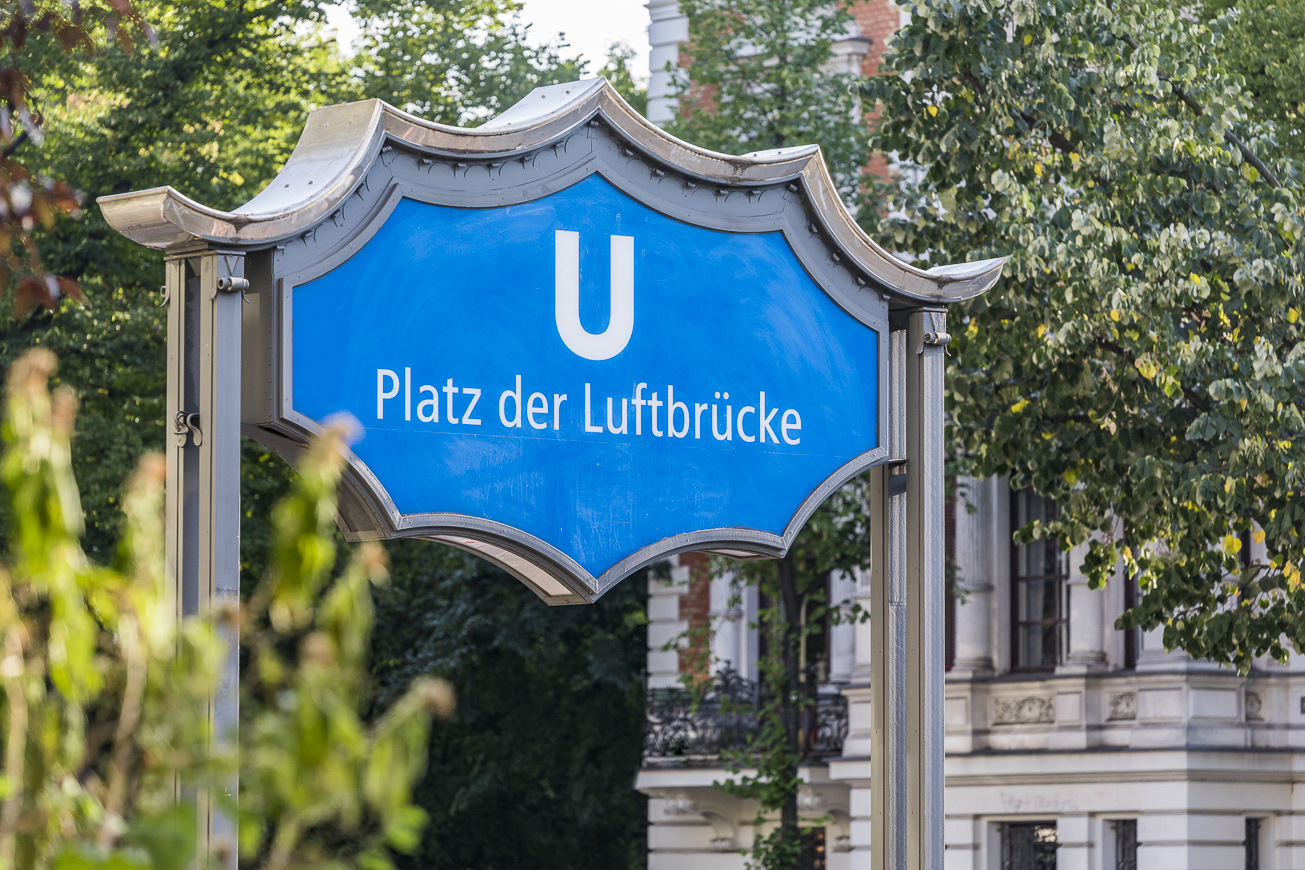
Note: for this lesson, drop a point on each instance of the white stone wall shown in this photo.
(666, 627)
(668, 30)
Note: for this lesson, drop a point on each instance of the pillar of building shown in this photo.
(727, 625)
(842, 633)
(1087, 621)
(1153, 657)
(1074, 843)
(665, 626)
(859, 828)
(668, 29)
(964, 836)
(976, 506)
(1178, 841)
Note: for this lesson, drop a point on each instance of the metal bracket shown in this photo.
(935, 337)
(234, 285)
(184, 427)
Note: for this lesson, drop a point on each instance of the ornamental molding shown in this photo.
(1123, 707)
(811, 801)
(680, 805)
(342, 144)
(1035, 710)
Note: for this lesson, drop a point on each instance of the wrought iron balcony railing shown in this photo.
(725, 718)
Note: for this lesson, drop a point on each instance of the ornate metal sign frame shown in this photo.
(355, 162)
(227, 374)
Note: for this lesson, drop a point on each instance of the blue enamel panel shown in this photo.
(443, 299)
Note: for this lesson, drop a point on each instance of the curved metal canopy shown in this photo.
(340, 143)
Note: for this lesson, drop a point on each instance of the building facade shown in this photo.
(1070, 744)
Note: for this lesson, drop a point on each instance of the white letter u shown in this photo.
(566, 299)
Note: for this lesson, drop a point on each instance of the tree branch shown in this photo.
(1229, 136)
(13, 146)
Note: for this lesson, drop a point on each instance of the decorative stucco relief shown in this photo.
(1023, 711)
(1123, 707)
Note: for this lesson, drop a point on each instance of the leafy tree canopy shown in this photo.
(1265, 45)
(759, 74)
(548, 733)
(1141, 362)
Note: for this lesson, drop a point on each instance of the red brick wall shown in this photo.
(877, 19)
(695, 609)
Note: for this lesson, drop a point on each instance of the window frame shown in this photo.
(1123, 849)
(1005, 858)
(1061, 579)
(1252, 843)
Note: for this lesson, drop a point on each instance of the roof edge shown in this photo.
(339, 144)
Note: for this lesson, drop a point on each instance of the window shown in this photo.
(1039, 598)
(814, 654)
(1029, 846)
(1125, 831)
(1130, 634)
(1252, 844)
(813, 850)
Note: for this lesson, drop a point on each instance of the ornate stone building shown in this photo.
(1070, 744)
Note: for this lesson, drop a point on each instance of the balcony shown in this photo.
(679, 732)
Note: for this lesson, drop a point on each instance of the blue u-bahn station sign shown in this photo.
(574, 344)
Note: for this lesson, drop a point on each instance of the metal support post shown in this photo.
(925, 594)
(204, 290)
(889, 771)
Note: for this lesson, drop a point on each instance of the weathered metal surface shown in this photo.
(341, 143)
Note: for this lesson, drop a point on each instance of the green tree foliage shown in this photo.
(755, 78)
(29, 33)
(1264, 43)
(106, 692)
(548, 733)
(212, 107)
(617, 69)
(1142, 362)
(452, 61)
